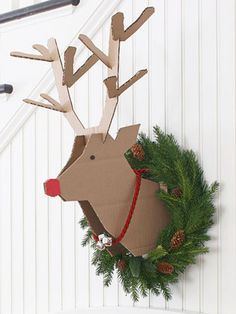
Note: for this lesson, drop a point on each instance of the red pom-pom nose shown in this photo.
(52, 187)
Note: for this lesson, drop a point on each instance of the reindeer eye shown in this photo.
(92, 157)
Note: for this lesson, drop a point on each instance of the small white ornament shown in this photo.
(100, 237)
(107, 241)
(103, 242)
(100, 246)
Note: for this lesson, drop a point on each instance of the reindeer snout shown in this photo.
(52, 187)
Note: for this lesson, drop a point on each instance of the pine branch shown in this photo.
(84, 223)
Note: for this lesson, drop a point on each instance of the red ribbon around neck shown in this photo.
(132, 208)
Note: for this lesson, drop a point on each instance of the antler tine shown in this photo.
(44, 54)
(69, 78)
(99, 53)
(54, 104)
(118, 30)
(111, 83)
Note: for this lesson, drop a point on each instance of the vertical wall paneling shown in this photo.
(125, 107)
(29, 217)
(189, 50)
(17, 201)
(55, 214)
(41, 208)
(173, 47)
(157, 62)
(5, 233)
(208, 137)
(141, 61)
(74, 221)
(190, 102)
(226, 156)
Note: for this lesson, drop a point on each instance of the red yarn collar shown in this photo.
(138, 173)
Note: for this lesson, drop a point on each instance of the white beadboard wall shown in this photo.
(189, 48)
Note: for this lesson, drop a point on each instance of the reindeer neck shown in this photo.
(118, 186)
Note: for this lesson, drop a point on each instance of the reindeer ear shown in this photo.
(126, 137)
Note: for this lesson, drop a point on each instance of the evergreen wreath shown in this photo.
(189, 200)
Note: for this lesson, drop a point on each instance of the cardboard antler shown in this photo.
(111, 61)
(51, 54)
(54, 104)
(69, 78)
(100, 54)
(118, 27)
(66, 77)
(112, 82)
(44, 54)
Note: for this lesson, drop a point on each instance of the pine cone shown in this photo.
(137, 151)
(176, 192)
(177, 239)
(165, 268)
(121, 265)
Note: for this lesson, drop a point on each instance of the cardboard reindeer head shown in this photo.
(97, 173)
(96, 162)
